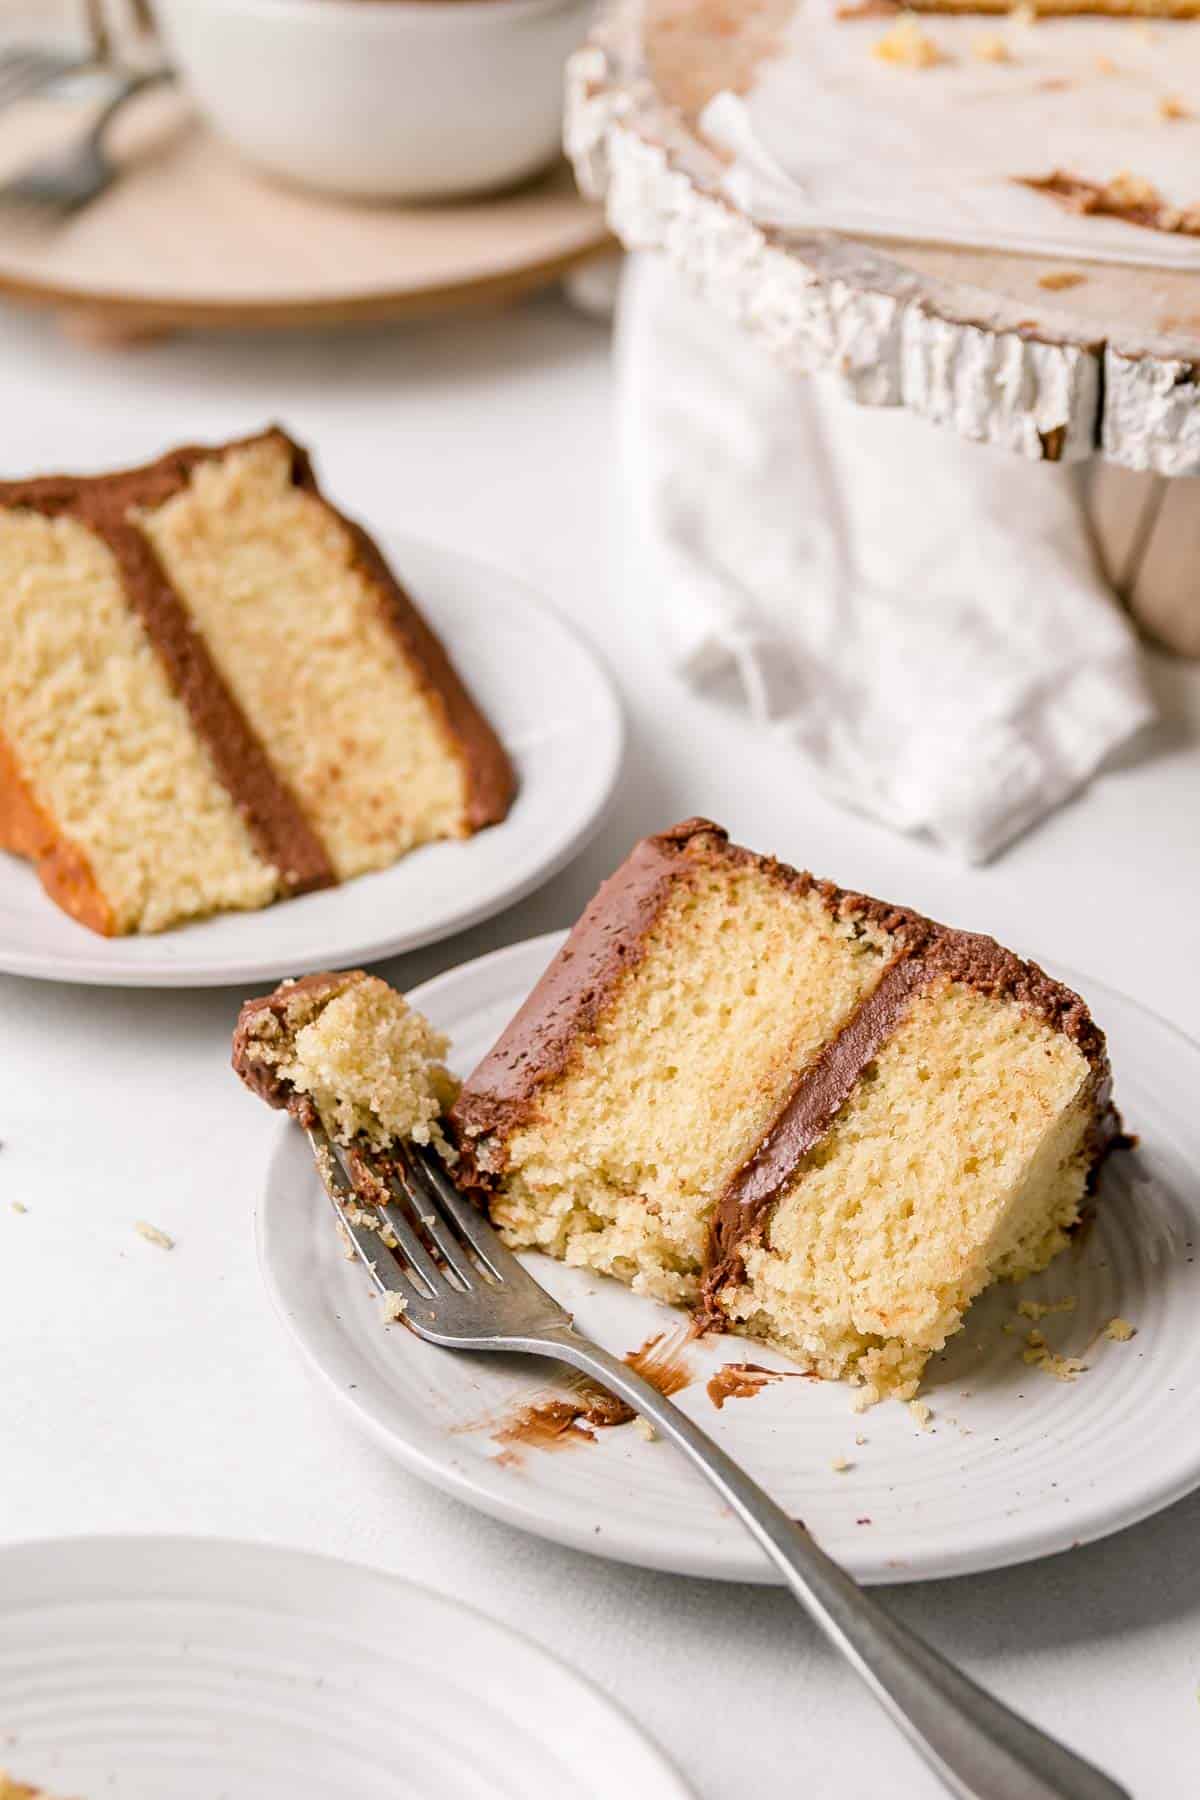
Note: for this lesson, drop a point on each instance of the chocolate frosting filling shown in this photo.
(819, 1094)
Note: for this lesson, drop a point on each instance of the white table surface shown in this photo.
(146, 1391)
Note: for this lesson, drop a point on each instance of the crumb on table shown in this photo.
(153, 1235)
(839, 1465)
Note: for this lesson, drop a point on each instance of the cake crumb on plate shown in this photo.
(1172, 107)
(1120, 1330)
(1042, 1309)
(906, 46)
(1040, 1356)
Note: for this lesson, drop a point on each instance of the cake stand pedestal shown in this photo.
(1107, 371)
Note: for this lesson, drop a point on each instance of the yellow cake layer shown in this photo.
(296, 631)
(101, 742)
(741, 983)
(961, 1155)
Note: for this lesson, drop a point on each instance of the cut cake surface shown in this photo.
(216, 694)
(809, 1116)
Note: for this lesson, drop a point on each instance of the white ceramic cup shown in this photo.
(381, 99)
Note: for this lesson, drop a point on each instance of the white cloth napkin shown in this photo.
(920, 616)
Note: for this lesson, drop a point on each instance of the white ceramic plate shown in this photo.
(142, 1668)
(1016, 1464)
(557, 712)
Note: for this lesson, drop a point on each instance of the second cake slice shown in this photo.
(216, 694)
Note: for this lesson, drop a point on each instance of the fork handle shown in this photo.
(980, 1749)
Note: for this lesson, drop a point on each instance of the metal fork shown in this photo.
(461, 1289)
(60, 184)
(28, 69)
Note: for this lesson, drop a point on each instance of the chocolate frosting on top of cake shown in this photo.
(611, 938)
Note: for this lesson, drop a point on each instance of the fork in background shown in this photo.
(458, 1287)
(28, 69)
(61, 183)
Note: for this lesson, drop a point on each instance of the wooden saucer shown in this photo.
(192, 237)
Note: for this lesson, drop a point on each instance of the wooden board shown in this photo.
(968, 339)
(190, 237)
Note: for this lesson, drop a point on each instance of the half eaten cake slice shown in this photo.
(814, 1118)
(215, 693)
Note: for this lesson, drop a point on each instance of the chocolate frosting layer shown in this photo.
(821, 1090)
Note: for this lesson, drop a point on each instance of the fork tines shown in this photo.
(441, 1243)
(25, 69)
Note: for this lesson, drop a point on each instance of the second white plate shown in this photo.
(176, 1668)
(557, 713)
(1015, 1464)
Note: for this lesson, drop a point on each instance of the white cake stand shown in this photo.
(1108, 373)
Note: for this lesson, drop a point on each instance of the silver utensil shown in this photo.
(28, 69)
(461, 1289)
(58, 185)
